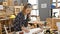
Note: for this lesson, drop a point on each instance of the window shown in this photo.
(58, 5)
(35, 6)
(35, 10)
(33, 1)
(33, 18)
(56, 10)
(54, 2)
(58, 0)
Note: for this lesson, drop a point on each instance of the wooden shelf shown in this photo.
(18, 9)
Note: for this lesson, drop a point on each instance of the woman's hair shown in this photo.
(28, 5)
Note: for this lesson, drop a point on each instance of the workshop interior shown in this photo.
(29, 16)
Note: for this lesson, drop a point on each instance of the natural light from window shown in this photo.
(56, 10)
(58, 4)
(54, 1)
(33, 1)
(35, 10)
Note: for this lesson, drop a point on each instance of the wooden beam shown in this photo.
(56, 3)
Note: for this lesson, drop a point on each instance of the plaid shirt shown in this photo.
(20, 21)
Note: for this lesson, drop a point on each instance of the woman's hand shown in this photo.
(25, 29)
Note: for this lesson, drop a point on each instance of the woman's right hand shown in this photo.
(25, 29)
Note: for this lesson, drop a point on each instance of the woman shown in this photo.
(21, 20)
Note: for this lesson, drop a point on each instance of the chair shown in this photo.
(5, 29)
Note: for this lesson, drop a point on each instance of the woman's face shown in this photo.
(28, 10)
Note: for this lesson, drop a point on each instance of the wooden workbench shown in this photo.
(51, 22)
(0, 28)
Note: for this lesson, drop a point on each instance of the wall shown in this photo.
(24, 1)
(44, 12)
(1, 0)
(21, 1)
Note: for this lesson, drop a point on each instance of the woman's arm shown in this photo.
(19, 24)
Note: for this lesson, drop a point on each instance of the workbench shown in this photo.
(51, 22)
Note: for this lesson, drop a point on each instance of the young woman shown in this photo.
(21, 20)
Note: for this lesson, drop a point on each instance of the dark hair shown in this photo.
(28, 5)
